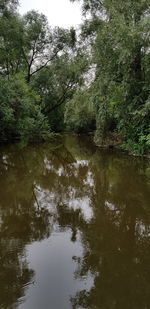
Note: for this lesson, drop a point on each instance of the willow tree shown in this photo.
(122, 58)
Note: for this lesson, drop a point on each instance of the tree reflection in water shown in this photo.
(102, 195)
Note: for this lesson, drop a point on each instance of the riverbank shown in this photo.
(116, 141)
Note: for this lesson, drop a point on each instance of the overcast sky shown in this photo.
(60, 13)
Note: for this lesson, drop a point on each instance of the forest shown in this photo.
(94, 79)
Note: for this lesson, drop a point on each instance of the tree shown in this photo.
(56, 85)
(7, 7)
(10, 44)
(20, 114)
(41, 44)
(28, 48)
(35, 47)
(80, 113)
(121, 55)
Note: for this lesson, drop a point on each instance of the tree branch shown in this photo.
(60, 101)
(25, 56)
(45, 64)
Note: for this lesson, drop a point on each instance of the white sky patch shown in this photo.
(89, 181)
(45, 199)
(84, 205)
(81, 163)
(109, 205)
(60, 13)
(48, 165)
(60, 171)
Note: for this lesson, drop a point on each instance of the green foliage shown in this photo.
(57, 84)
(141, 146)
(10, 44)
(41, 44)
(79, 113)
(46, 73)
(20, 114)
(122, 58)
(7, 6)
(47, 59)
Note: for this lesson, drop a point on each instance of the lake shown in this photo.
(74, 227)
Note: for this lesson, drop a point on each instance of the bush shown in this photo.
(20, 113)
(79, 113)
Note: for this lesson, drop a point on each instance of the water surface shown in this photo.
(74, 227)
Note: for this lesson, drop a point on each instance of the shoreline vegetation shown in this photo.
(56, 139)
(95, 79)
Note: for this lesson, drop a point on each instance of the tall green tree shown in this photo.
(42, 44)
(57, 84)
(10, 44)
(122, 58)
(7, 6)
(20, 113)
(29, 48)
(10, 38)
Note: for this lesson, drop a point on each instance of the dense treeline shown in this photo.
(53, 80)
(40, 69)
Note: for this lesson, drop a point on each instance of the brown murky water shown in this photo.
(74, 228)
